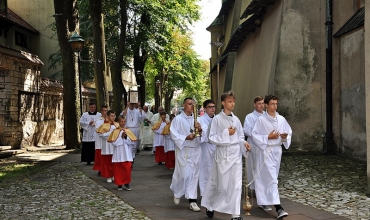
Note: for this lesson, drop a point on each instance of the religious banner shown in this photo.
(133, 96)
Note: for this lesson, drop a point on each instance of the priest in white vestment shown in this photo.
(187, 153)
(224, 188)
(269, 133)
(87, 123)
(208, 149)
(146, 134)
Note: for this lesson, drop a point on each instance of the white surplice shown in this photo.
(159, 139)
(146, 133)
(249, 122)
(208, 152)
(133, 120)
(224, 187)
(169, 145)
(122, 149)
(99, 142)
(107, 149)
(187, 154)
(88, 134)
(156, 117)
(268, 156)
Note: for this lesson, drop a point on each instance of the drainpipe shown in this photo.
(329, 78)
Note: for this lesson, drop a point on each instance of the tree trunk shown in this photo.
(167, 104)
(100, 70)
(118, 88)
(140, 54)
(66, 23)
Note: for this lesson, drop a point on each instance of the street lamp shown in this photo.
(158, 85)
(140, 81)
(77, 43)
(139, 75)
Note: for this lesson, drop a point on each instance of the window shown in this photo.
(20, 39)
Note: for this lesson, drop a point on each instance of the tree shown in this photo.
(100, 70)
(67, 23)
(150, 27)
(178, 67)
(118, 88)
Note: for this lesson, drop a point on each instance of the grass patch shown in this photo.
(19, 170)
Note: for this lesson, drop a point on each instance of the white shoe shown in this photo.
(282, 213)
(265, 207)
(194, 207)
(176, 201)
(109, 180)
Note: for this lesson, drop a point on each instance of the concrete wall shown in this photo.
(256, 61)
(300, 75)
(352, 102)
(39, 14)
(286, 56)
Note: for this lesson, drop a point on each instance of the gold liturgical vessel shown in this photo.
(247, 207)
(195, 115)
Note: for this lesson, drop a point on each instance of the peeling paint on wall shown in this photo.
(295, 66)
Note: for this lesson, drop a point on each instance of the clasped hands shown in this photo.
(275, 135)
(232, 130)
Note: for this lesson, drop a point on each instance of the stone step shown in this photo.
(10, 153)
(2, 148)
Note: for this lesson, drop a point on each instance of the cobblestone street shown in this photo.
(71, 190)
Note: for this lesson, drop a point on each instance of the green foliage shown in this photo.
(179, 68)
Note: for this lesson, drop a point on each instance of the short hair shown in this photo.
(187, 98)
(121, 117)
(92, 103)
(110, 112)
(270, 97)
(172, 116)
(257, 99)
(163, 113)
(208, 101)
(104, 106)
(228, 94)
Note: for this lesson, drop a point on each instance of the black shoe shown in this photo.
(88, 163)
(99, 173)
(210, 213)
(237, 218)
(119, 187)
(128, 187)
(160, 163)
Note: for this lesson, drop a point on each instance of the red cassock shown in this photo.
(170, 159)
(160, 156)
(97, 160)
(106, 166)
(122, 172)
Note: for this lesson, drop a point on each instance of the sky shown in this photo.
(202, 37)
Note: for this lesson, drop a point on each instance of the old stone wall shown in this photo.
(16, 75)
(30, 108)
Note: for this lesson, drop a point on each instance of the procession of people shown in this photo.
(204, 153)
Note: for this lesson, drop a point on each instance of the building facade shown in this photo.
(280, 47)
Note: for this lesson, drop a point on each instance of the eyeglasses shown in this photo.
(213, 106)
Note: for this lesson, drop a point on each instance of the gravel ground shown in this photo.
(331, 183)
(62, 191)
